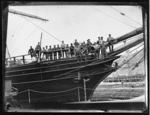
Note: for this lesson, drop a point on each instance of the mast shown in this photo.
(40, 47)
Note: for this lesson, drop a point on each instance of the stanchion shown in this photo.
(84, 89)
(78, 94)
(29, 95)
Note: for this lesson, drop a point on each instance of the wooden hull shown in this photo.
(49, 73)
(64, 87)
(60, 91)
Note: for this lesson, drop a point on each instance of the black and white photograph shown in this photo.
(75, 57)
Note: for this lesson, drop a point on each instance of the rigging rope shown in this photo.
(49, 97)
(136, 65)
(33, 31)
(19, 28)
(118, 47)
(47, 80)
(126, 15)
(42, 29)
(113, 17)
(129, 59)
(47, 92)
(65, 73)
(23, 91)
(54, 92)
(43, 80)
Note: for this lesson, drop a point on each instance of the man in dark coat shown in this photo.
(110, 43)
(72, 50)
(31, 52)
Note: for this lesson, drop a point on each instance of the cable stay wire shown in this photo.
(48, 92)
(42, 29)
(54, 92)
(58, 76)
(123, 14)
(33, 31)
(19, 28)
(137, 47)
(130, 58)
(113, 18)
(137, 64)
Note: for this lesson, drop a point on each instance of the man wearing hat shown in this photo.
(110, 43)
(89, 45)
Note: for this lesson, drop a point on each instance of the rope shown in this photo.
(23, 91)
(54, 96)
(43, 30)
(125, 15)
(82, 67)
(137, 47)
(18, 28)
(51, 79)
(54, 92)
(113, 17)
(44, 80)
(49, 97)
(117, 48)
(62, 69)
(130, 59)
(33, 31)
(136, 65)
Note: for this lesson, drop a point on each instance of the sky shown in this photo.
(68, 22)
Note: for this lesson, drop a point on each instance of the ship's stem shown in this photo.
(84, 89)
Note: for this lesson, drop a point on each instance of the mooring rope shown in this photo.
(23, 91)
(54, 92)
(51, 79)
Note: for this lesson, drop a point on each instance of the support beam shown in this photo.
(84, 82)
(27, 15)
(78, 93)
(29, 95)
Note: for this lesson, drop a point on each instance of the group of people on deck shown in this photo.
(76, 49)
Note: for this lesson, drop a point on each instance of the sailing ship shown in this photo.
(64, 80)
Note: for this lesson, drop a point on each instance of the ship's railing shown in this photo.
(18, 60)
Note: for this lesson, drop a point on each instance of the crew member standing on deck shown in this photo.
(44, 53)
(67, 51)
(55, 52)
(99, 42)
(63, 48)
(50, 53)
(76, 44)
(31, 52)
(59, 52)
(96, 47)
(46, 49)
(110, 43)
(85, 51)
(89, 45)
(38, 50)
(71, 50)
(103, 50)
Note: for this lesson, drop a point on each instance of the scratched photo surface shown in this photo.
(76, 58)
